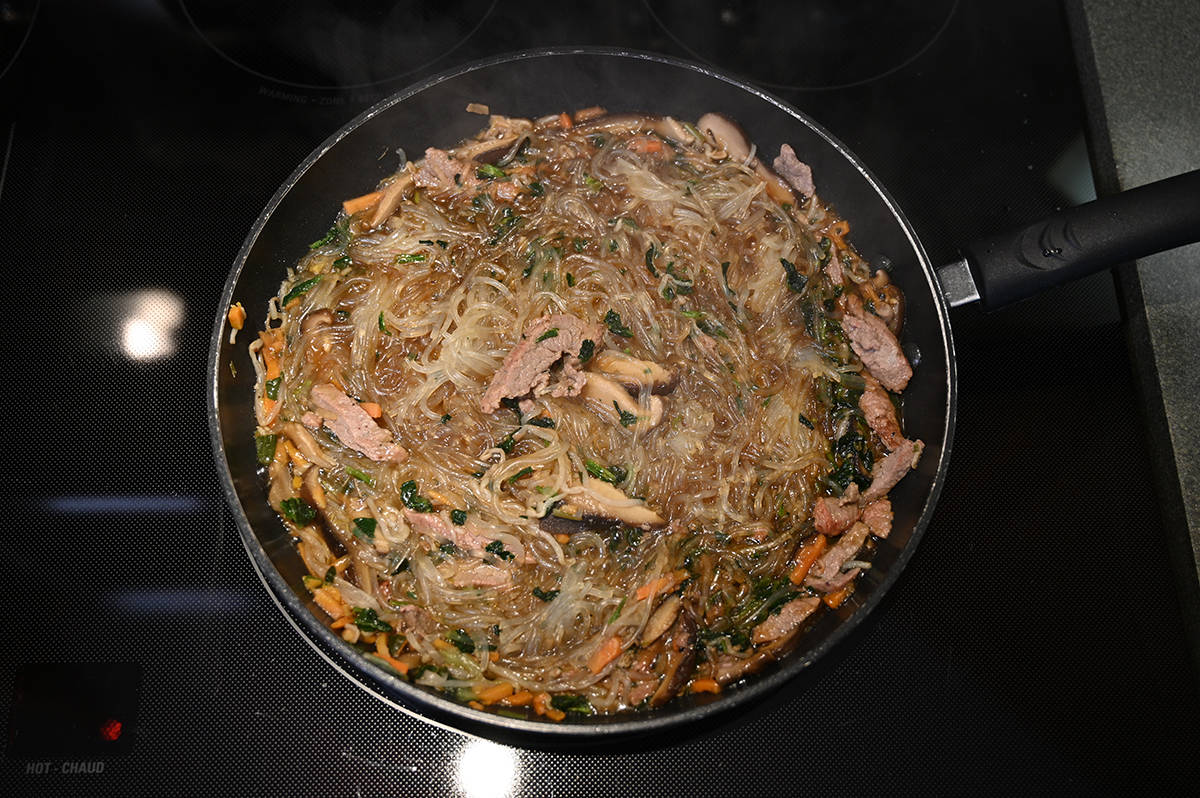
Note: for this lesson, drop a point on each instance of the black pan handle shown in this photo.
(1079, 241)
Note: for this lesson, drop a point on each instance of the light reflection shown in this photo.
(148, 329)
(486, 770)
(122, 505)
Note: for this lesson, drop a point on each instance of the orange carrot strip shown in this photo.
(646, 144)
(564, 119)
(652, 588)
(834, 600)
(809, 553)
(494, 656)
(496, 692)
(373, 409)
(521, 699)
(705, 686)
(237, 316)
(607, 652)
(353, 206)
(561, 538)
(340, 622)
(474, 705)
(541, 705)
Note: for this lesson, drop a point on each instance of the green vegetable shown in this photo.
(413, 500)
(497, 548)
(343, 262)
(617, 612)
(693, 314)
(612, 245)
(572, 703)
(461, 640)
(586, 349)
(651, 253)
(383, 327)
(542, 421)
(806, 422)
(458, 517)
(570, 280)
(508, 222)
(537, 189)
(264, 448)
(580, 244)
(613, 320)
(395, 645)
(411, 257)
(488, 171)
(330, 575)
(297, 511)
(368, 620)
(545, 595)
(611, 474)
(299, 289)
(627, 419)
(551, 333)
(711, 329)
(592, 183)
(524, 472)
(446, 418)
(506, 445)
(271, 387)
(795, 280)
(361, 476)
(334, 234)
(365, 527)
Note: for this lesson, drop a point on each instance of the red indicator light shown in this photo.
(110, 729)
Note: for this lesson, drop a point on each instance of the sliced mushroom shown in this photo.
(591, 112)
(608, 393)
(661, 620)
(311, 490)
(730, 137)
(395, 191)
(307, 444)
(317, 320)
(634, 373)
(678, 659)
(606, 501)
(726, 134)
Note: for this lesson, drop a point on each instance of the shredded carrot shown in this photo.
(808, 554)
(443, 645)
(329, 599)
(541, 705)
(705, 686)
(607, 652)
(564, 119)
(340, 622)
(834, 600)
(353, 206)
(646, 144)
(496, 692)
(660, 585)
(474, 705)
(521, 699)
(494, 656)
(563, 539)
(373, 409)
(272, 346)
(237, 316)
(837, 231)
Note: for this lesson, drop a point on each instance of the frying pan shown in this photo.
(536, 83)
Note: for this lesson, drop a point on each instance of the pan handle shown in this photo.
(1076, 242)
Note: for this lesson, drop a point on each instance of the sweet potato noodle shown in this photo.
(588, 412)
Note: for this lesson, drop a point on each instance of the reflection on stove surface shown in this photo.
(821, 44)
(321, 44)
(16, 21)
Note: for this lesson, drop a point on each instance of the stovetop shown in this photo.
(1034, 643)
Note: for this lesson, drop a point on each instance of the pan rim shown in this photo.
(442, 712)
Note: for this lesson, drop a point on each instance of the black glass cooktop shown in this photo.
(1034, 643)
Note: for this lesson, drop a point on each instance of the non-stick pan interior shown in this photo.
(535, 84)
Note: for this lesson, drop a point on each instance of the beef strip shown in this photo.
(878, 517)
(527, 366)
(826, 574)
(353, 427)
(789, 617)
(891, 469)
(444, 174)
(832, 515)
(880, 413)
(876, 345)
(797, 173)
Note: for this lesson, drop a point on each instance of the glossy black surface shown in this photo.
(1032, 645)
